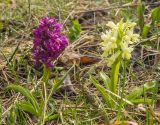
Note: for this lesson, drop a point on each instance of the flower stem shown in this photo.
(114, 75)
(46, 74)
(44, 107)
(122, 91)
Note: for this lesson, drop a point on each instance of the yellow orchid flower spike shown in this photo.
(118, 41)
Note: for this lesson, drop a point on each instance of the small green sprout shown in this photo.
(74, 31)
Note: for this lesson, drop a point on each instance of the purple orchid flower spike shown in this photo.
(48, 42)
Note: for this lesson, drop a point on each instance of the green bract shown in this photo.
(118, 40)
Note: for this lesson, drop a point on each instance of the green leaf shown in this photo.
(57, 83)
(107, 94)
(145, 31)
(25, 93)
(140, 12)
(11, 120)
(102, 90)
(77, 26)
(74, 31)
(139, 91)
(155, 15)
(51, 117)
(26, 106)
(106, 79)
(144, 100)
(1, 25)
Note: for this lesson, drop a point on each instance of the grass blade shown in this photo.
(51, 117)
(57, 83)
(105, 93)
(140, 12)
(155, 15)
(106, 79)
(0, 112)
(138, 101)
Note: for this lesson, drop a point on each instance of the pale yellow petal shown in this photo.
(111, 24)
